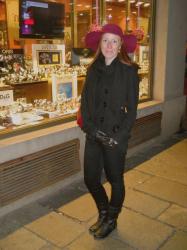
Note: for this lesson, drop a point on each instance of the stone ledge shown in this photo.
(31, 142)
(148, 108)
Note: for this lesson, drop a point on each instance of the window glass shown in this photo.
(3, 28)
(85, 13)
(28, 77)
(135, 16)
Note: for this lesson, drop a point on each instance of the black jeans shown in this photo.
(97, 157)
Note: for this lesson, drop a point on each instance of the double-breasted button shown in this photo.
(123, 109)
(104, 104)
(102, 119)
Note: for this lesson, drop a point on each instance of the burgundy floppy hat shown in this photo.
(92, 38)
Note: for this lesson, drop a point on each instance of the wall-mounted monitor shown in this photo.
(41, 20)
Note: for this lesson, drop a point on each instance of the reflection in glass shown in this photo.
(134, 16)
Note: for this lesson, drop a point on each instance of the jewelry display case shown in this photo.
(50, 96)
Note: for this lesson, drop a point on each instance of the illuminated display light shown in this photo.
(146, 4)
(139, 3)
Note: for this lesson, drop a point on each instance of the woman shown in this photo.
(108, 107)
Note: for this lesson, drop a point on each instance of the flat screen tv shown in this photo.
(41, 20)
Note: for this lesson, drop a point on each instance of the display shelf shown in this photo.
(44, 123)
(24, 83)
(32, 90)
(5, 87)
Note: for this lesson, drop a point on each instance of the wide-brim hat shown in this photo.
(92, 38)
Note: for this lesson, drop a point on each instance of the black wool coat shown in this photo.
(122, 102)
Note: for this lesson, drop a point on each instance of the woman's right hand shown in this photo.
(104, 139)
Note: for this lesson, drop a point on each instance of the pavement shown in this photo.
(154, 214)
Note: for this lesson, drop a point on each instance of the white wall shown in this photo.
(176, 48)
(170, 44)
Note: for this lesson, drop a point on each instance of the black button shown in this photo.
(123, 109)
(115, 128)
(104, 104)
(102, 119)
(106, 91)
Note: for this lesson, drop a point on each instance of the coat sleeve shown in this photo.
(88, 126)
(130, 107)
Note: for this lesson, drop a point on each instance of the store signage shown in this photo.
(6, 97)
(11, 51)
(44, 55)
(49, 47)
(6, 51)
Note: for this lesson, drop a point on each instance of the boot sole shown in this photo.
(103, 237)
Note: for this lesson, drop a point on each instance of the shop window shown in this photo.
(85, 13)
(3, 28)
(136, 16)
(28, 66)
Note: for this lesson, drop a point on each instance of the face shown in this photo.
(110, 45)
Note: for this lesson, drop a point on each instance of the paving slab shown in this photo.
(91, 222)
(149, 220)
(87, 242)
(133, 178)
(20, 217)
(166, 190)
(166, 165)
(177, 242)
(107, 188)
(175, 216)
(145, 204)
(22, 239)
(56, 229)
(50, 247)
(82, 208)
(179, 150)
(140, 231)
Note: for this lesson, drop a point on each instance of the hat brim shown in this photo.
(92, 41)
(130, 42)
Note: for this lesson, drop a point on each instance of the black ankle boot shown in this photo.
(105, 229)
(109, 224)
(99, 222)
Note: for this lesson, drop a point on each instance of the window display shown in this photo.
(64, 87)
(22, 113)
(3, 26)
(46, 76)
(61, 82)
(47, 54)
